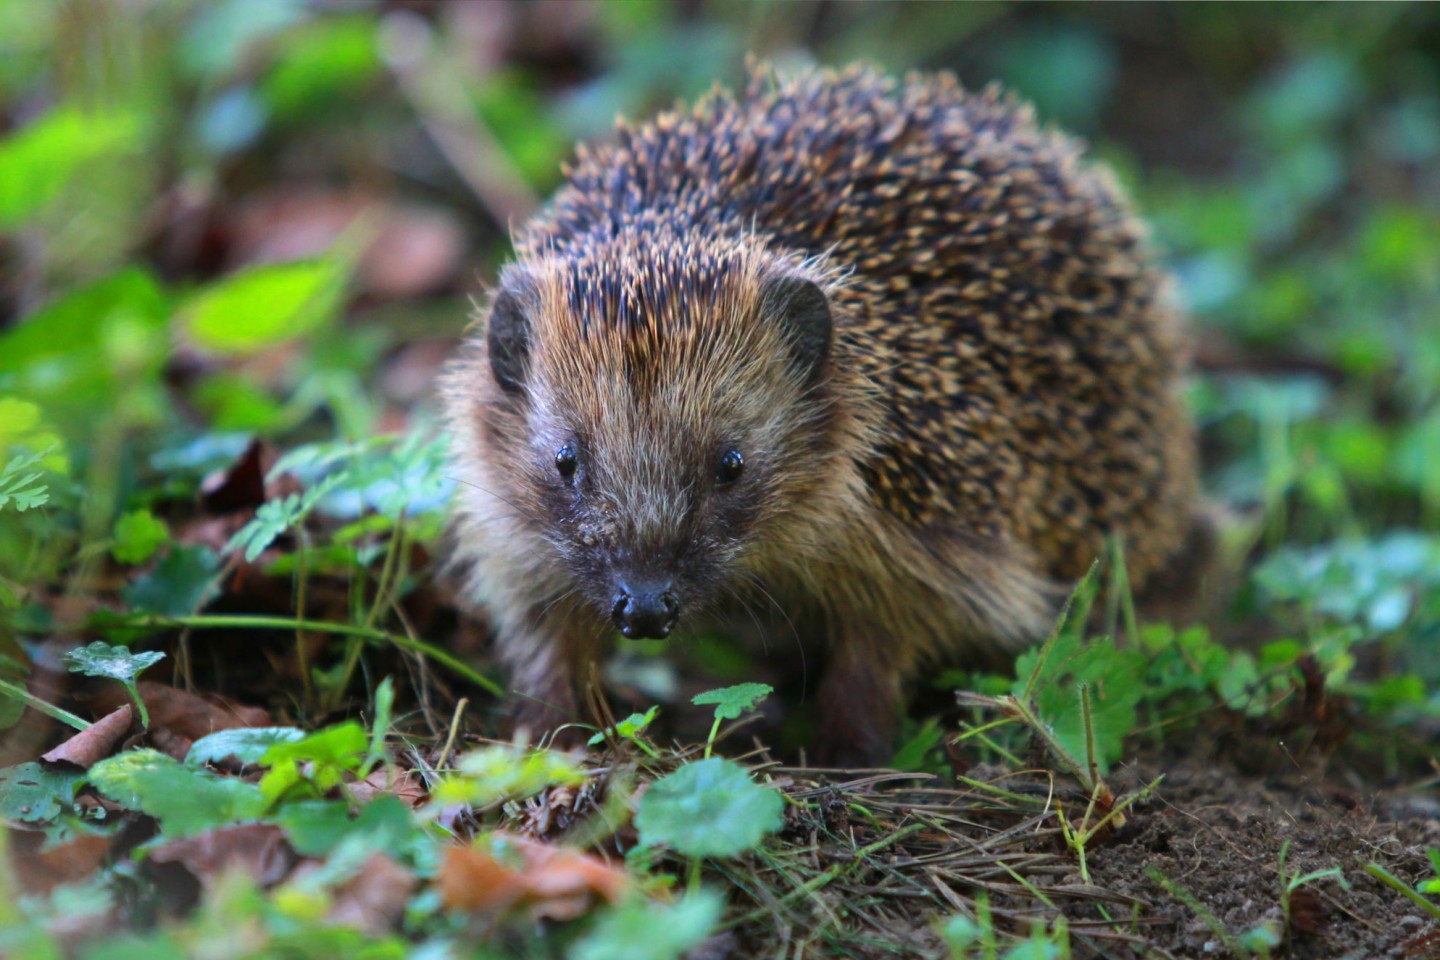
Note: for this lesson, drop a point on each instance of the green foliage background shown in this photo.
(1288, 157)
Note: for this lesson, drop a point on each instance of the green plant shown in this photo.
(708, 808)
(1293, 880)
(100, 659)
(730, 704)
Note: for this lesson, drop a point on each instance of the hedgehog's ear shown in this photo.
(507, 336)
(802, 310)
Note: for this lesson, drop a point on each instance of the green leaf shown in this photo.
(274, 517)
(629, 728)
(18, 483)
(62, 355)
(247, 744)
(100, 659)
(37, 162)
(644, 930)
(138, 534)
(384, 716)
(183, 582)
(318, 64)
(1115, 678)
(731, 702)
(185, 800)
(395, 477)
(504, 772)
(710, 808)
(264, 306)
(317, 827)
(912, 754)
(330, 753)
(31, 792)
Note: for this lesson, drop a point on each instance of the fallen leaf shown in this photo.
(186, 714)
(171, 744)
(97, 743)
(407, 786)
(257, 849)
(240, 485)
(503, 872)
(374, 899)
(40, 869)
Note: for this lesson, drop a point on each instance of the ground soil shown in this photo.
(1196, 867)
(1218, 835)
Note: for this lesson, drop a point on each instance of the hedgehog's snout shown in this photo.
(645, 608)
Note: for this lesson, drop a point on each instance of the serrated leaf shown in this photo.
(31, 792)
(138, 534)
(182, 582)
(20, 486)
(246, 744)
(710, 808)
(732, 702)
(274, 517)
(1114, 678)
(185, 800)
(645, 930)
(264, 306)
(100, 659)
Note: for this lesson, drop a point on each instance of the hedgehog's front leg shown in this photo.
(545, 658)
(860, 700)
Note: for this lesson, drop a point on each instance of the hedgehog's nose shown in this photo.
(647, 609)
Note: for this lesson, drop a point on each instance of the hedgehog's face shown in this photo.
(664, 442)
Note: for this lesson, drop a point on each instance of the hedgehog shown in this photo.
(884, 356)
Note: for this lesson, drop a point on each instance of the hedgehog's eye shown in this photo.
(732, 464)
(565, 461)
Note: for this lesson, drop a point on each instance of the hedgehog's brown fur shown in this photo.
(998, 393)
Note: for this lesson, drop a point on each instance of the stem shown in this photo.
(139, 703)
(1088, 719)
(1401, 887)
(307, 693)
(35, 703)
(454, 729)
(383, 588)
(220, 622)
(1047, 736)
(710, 741)
(387, 572)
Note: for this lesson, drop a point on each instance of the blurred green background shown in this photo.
(267, 217)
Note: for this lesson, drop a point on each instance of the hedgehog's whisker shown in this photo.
(794, 633)
(510, 503)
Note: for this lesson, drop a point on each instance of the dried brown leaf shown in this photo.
(504, 872)
(95, 744)
(241, 485)
(374, 899)
(407, 785)
(187, 714)
(257, 849)
(39, 869)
